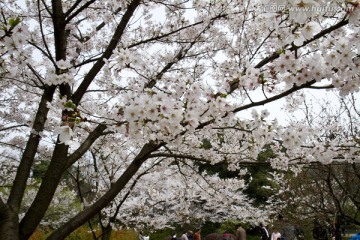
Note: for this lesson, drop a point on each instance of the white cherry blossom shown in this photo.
(310, 29)
(63, 64)
(65, 134)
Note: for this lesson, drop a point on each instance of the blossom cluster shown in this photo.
(12, 47)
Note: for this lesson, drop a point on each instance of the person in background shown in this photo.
(173, 236)
(184, 236)
(227, 236)
(197, 235)
(264, 232)
(190, 235)
(240, 233)
(275, 235)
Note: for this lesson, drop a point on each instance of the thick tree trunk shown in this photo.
(46, 192)
(106, 232)
(58, 164)
(23, 171)
(9, 223)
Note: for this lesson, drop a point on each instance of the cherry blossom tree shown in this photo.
(143, 83)
(326, 194)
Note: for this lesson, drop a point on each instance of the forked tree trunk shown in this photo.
(104, 201)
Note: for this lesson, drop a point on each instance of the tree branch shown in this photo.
(95, 134)
(262, 102)
(77, 96)
(235, 84)
(172, 32)
(102, 202)
(45, 193)
(47, 53)
(86, 5)
(11, 127)
(23, 171)
(276, 97)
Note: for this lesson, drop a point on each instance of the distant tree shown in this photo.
(327, 194)
(261, 185)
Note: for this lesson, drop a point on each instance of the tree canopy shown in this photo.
(128, 97)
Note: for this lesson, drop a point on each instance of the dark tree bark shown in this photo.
(23, 171)
(94, 209)
(59, 163)
(106, 232)
(46, 192)
(9, 223)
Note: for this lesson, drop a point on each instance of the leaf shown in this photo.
(281, 51)
(14, 22)
(70, 105)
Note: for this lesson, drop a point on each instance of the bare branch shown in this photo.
(70, 17)
(11, 127)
